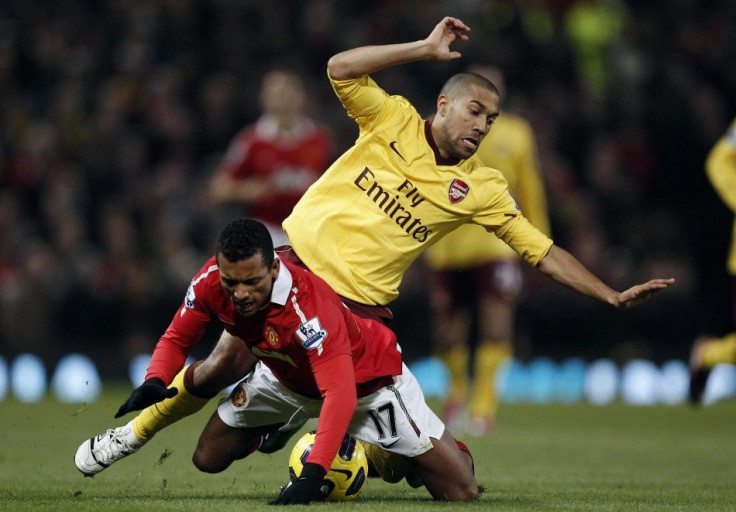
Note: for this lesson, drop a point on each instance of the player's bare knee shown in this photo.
(469, 492)
(458, 492)
(463, 488)
(206, 463)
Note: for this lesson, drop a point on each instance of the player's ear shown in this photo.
(275, 267)
(442, 103)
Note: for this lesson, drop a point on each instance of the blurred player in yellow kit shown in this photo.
(474, 274)
(709, 351)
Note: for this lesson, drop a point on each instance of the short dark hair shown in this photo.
(243, 239)
(463, 81)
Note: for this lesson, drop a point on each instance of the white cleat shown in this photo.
(99, 452)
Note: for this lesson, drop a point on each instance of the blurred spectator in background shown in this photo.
(270, 164)
(709, 351)
(476, 278)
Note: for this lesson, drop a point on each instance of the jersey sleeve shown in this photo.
(721, 168)
(361, 97)
(336, 381)
(530, 243)
(185, 330)
(501, 216)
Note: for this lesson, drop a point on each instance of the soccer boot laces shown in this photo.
(99, 452)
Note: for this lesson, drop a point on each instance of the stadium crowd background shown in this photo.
(113, 115)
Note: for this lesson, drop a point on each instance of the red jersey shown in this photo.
(290, 163)
(308, 338)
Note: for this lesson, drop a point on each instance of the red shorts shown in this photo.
(379, 313)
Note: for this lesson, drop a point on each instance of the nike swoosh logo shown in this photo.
(389, 445)
(348, 474)
(392, 145)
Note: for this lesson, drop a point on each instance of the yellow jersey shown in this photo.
(391, 196)
(721, 169)
(509, 147)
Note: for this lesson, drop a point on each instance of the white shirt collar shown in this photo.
(282, 285)
(267, 127)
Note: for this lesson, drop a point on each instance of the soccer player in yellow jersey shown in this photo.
(476, 275)
(404, 185)
(709, 351)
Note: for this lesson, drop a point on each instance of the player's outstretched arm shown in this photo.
(365, 60)
(564, 268)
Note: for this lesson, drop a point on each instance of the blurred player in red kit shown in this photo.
(271, 163)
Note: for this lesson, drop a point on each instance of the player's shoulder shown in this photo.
(204, 287)
(207, 275)
(730, 135)
(246, 134)
(300, 275)
(482, 172)
(309, 285)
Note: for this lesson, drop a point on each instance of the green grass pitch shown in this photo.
(544, 457)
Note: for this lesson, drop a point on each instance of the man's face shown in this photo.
(462, 121)
(282, 94)
(248, 282)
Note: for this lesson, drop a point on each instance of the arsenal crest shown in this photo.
(458, 190)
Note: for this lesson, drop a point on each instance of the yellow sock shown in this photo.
(456, 358)
(489, 357)
(721, 350)
(159, 416)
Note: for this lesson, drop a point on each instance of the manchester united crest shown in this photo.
(270, 335)
(239, 396)
(458, 190)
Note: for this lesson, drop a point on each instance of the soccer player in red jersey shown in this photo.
(271, 163)
(316, 360)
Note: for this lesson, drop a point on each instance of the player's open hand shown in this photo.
(150, 392)
(444, 34)
(641, 292)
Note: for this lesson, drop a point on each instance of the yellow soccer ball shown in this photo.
(348, 470)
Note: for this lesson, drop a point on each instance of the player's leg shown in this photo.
(258, 407)
(450, 327)
(197, 383)
(228, 362)
(401, 431)
(220, 444)
(498, 286)
(447, 472)
(706, 353)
